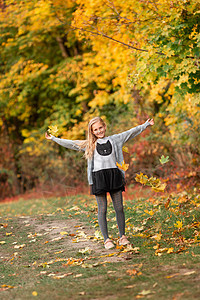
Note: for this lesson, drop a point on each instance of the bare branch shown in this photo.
(110, 38)
(122, 43)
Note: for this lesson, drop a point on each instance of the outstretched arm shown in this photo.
(73, 145)
(131, 133)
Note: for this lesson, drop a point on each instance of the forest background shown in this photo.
(64, 62)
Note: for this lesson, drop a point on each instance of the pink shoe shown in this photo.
(123, 241)
(109, 244)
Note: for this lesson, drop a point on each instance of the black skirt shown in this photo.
(107, 180)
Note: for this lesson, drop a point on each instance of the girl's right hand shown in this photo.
(151, 121)
(48, 136)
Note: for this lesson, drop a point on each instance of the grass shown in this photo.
(52, 249)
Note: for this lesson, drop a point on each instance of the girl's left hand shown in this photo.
(151, 121)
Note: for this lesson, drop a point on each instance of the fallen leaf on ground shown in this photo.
(157, 237)
(78, 275)
(170, 250)
(74, 208)
(132, 272)
(19, 246)
(171, 276)
(62, 276)
(86, 250)
(109, 255)
(57, 239)
(64, 233)
(110, 272)
(5, 225)
(179, 225)
(146, 292)
(90, 265)
(181, 274)
(150, 212)
(98, 235)
(5, 286)
(189, 273)
(58, 252)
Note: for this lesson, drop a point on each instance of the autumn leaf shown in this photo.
(53, 130)
(4, 225)
(171, 276)
(150, 212)
(58, 252)
(167, 203)
(189, 273)
(146, 292)
(159, 188)
(143, 179)
(123, 166)
(125, 149)
(164, 160)
(86, 250)
(56, 276)
(5, 287)
(111, 272)
(78, 275)
(160, 251)
(157, 237)
(170, 250)
(98, 235)
(132, 272)
(64, 233)
(153, 182)
(55, 239)
(19, 246)
(179, 225)
(8, 233)
(85, 266)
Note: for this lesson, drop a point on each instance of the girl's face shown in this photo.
(99, 130)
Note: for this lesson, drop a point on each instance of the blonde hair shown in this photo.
(90, 143)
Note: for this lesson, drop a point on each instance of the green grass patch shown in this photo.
(52, 248)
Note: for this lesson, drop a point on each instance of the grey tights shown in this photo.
(102, 210)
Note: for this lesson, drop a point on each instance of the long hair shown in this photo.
(90, 143)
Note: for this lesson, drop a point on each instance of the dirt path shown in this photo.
(74, 235)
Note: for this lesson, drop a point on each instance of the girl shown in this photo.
(102, 154)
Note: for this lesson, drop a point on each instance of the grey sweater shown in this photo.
(118, 141)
